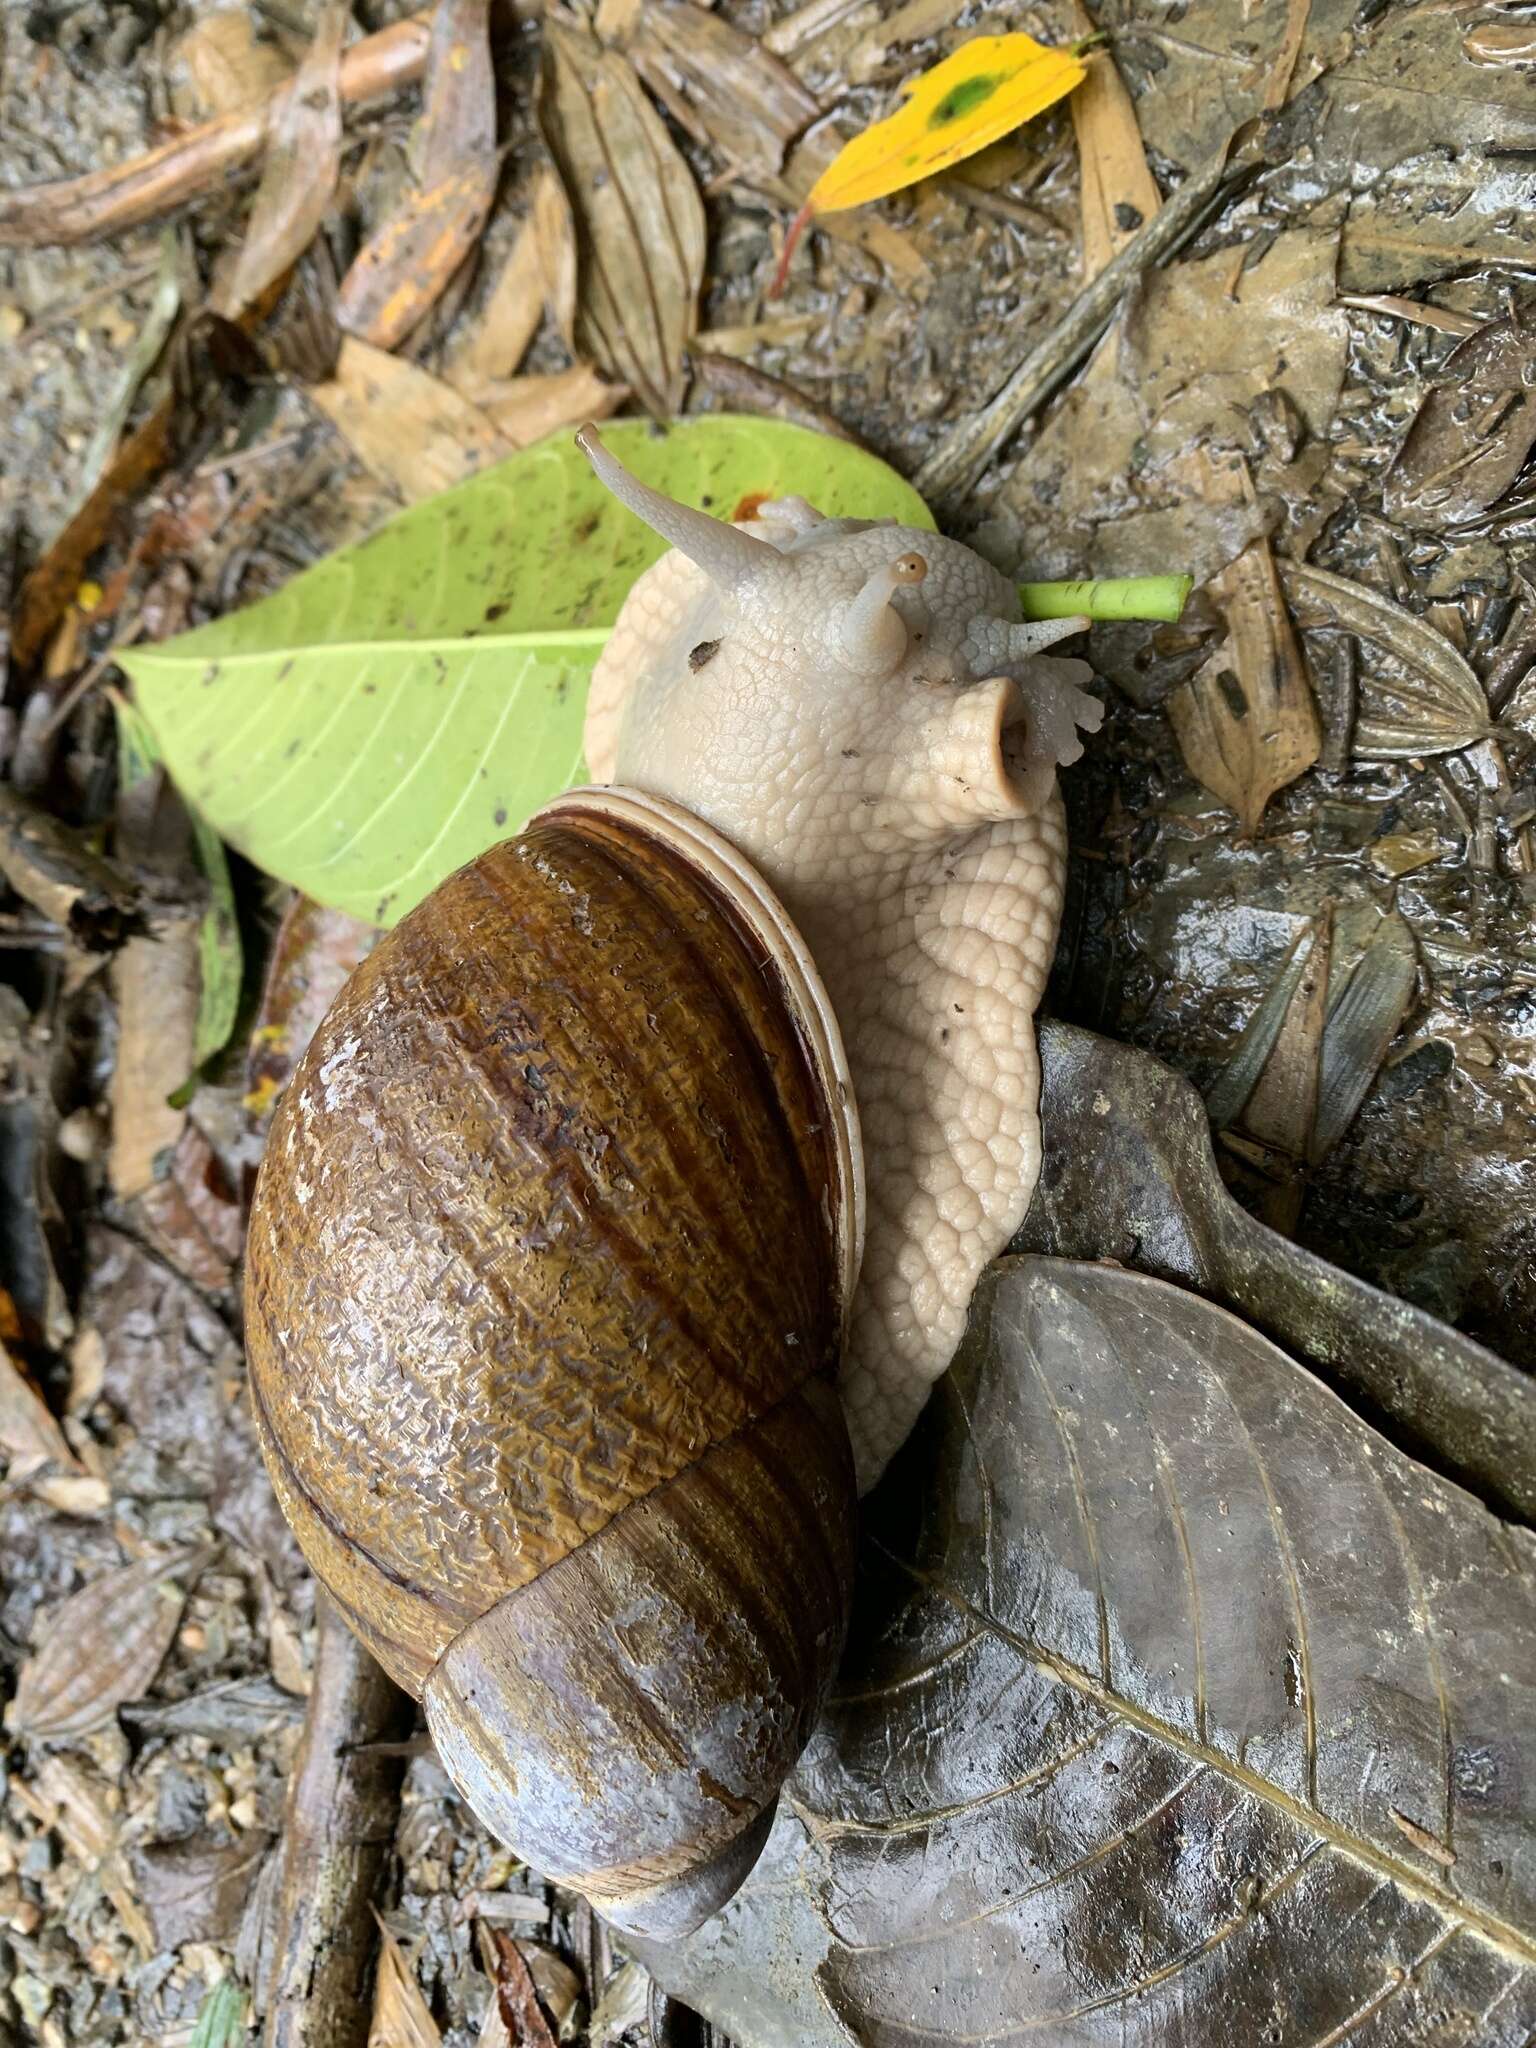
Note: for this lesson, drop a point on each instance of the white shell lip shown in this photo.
(769, 922)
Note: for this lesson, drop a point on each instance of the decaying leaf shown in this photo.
(104, 1646)
(1365, 1014)
(1154, 1640)
(525, 410)
(401, 2016)
(498, 340)
(1247, 724)
(1424, 699)
(721, 84)
(299, 177)
(1119, 193)
(196, 1890)
(1496, 43)
(555, 227)
(30, 1432)
(192, 1215)
(1281, 1112)
(639, 218)
(404, 424)
(401, 273)
(517, 1995)
(1472, 435)
(220, 64)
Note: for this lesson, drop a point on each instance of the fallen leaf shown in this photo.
(639, 219)
(335, 732)
(400, 274)
(555, 227)
(196, 1890)
(401, 2016)
(498, 339)
(1281, 1110)
(192, 1216)
(220, 65)
(524, 410)
(1496, 43)
(1365, 1013)
(1471, 437)
(721, 84)
(1152, 1640)
(1424, 699)
(103, 1646)
(1118, 192)
(517, 1995)
(29, 1430)
(221, 2017)
(298, 179)
(404, 424)
(1247, 724)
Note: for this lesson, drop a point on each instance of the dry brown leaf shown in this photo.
(401, 2018)
(721, 85)
(104, 1646)
(525, 409)
(401, 273)
(403, 423)
(1247, 724)
(517, 1994)
(29, 1429)
(1282, 1110)
(499, 339)
(1119, 193)
(299, 177)
(639, 219)
(196, 1890)
(193, 1215)
(220, 65)
(158, 985)
(555, 227)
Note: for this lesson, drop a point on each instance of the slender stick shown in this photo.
(122, 196)
(338, 1829)
(963, 455)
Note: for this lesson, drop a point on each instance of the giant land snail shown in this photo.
(630, 1199)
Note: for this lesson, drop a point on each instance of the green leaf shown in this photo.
(221, 2017)
(407, 702)
(221, 954)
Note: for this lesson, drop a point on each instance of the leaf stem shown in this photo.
(1108, 597)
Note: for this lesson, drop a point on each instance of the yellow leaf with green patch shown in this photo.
(986, 89)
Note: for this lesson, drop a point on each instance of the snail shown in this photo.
(628, 1200)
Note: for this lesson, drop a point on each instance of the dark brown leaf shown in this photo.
(104, 1646)
(299, 177)
(639, 218)
(517, 1996)
(1473, 433)
(193, 1215)
(196, 1890)
(399, 276)
(1136, 1702)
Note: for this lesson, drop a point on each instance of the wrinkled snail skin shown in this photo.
(546, 1287)
(859, 709)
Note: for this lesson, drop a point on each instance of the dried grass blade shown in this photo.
(104, 1646)
(639, 219)
(1247, 724)
(1436, 706)
(402, 272)
(1363, 1019)
(299, 177)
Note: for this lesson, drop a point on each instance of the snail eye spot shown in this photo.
(704, 652)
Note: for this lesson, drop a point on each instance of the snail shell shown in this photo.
(549, 1266)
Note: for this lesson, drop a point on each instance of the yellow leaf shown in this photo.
(987, 88)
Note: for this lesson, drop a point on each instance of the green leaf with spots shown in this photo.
(407, 702)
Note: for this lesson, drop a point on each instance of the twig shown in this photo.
(92, 898)
(123, 196)
(960, 459)
(338, 1830)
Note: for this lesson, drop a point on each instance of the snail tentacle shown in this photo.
(869, 634)
(735, 562)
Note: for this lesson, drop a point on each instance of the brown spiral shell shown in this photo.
(548, 1266)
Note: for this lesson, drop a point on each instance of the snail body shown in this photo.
(568, 1357)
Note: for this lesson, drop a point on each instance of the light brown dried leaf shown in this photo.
(1501, 42)
(299, 179)
(401, 273)
(721, 84)
(29, 1429)
(639, 219)
(403, 423)
(499, 339)
(555, 227)
(525, 409)
(219, 65)
(401, 2018)
(158, 984)
(1119, 192)
(1430, 702)
(1246, 723)
(104, 1646)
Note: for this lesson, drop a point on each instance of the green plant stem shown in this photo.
(1110, 597)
